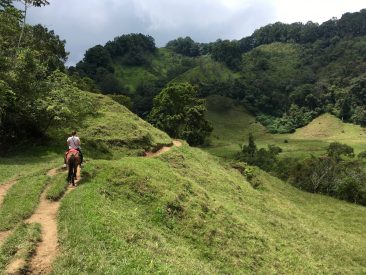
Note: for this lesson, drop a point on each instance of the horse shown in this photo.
(73, 161)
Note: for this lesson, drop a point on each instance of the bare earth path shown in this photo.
(46, 215)
(176, 143)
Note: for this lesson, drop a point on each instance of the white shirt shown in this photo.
(73, 142)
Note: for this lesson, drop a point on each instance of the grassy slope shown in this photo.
(186, 213)
(197, 70)
(114, 130)
(232, 127)
(163, 61)
(207, 70)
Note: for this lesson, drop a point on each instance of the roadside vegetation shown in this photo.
(21, 200)
(21, 245)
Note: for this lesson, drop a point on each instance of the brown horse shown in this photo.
(73, 161)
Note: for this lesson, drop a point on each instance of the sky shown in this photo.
(86, 23)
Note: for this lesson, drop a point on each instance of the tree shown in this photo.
(336, 150)
(266, 159)
(185, 46)
(178, 111)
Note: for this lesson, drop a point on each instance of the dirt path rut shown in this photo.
(46, 215)
(4, 189)
(176, 143)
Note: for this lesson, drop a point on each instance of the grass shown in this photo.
(233, 126)
(186, 212)
(27, 161)
(133, 75)
(114, 132)
(163, 61)
(21, 200)
(57, 187)
(207, 70)
(20, 244)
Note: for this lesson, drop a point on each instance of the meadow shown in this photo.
(233, 125)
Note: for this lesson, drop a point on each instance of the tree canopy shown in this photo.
(179, 112)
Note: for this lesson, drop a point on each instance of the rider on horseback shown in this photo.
(74, 143)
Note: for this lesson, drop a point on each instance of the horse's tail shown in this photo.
(71, 163)
(72, 160)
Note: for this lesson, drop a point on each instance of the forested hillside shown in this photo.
(286, 74)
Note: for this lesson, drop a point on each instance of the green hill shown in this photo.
(185, 211)
(162, 66)
(233, 125)
(115, 129)
(207, 71)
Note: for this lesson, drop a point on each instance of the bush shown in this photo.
(266, 159)
(336, 150)
(362, 155)
(123, 100)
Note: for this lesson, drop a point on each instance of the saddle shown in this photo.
(72, 152)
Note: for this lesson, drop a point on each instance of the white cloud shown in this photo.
(314, 10)
(85, 23)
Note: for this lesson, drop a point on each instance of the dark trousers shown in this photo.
(80, 156)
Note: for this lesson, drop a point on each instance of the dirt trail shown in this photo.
(176, 143)
(46, 215)
(5, 187)
(4, 235)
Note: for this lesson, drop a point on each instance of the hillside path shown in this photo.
(46, 215)
(176, 143)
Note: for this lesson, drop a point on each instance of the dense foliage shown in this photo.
(331, 174)
(35, 93)
(179, 112)
(185, 46)
(285, 74)
(335, 174)
(99, 61)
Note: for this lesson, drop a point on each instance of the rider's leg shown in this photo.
(65, 159)
(81, 156)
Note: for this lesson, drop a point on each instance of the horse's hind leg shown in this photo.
(74, 170)
(69, 176)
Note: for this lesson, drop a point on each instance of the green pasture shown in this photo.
(233, 125)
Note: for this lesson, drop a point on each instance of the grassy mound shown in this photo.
(114, 130)
(185, 212)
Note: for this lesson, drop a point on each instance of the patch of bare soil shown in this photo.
(3, 236)
(15, 267)
(176, 143)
